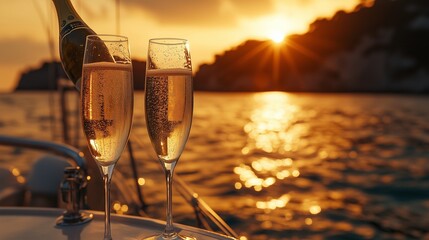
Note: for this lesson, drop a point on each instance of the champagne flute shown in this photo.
(107, 104)
(168, 108)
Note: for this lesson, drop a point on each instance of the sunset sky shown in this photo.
(212, 26)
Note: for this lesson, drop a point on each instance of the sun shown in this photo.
(277, 36)
(274, 27)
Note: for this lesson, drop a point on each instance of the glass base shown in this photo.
(166, 237)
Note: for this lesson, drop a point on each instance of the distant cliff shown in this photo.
(43, 78)
(47, 75)
(382, 48)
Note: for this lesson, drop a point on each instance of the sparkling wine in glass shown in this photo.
(168, 108)
(107, 104)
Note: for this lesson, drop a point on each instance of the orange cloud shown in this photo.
(201, 13)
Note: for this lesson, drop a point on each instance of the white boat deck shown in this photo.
(39, 223)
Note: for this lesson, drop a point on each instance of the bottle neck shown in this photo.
(67, 15)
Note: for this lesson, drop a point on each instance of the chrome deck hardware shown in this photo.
(73, 192)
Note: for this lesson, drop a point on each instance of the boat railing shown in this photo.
(58, 148)
(203, 212)
(73, 186)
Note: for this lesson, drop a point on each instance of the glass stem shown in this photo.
(169, 228)
(107, 176)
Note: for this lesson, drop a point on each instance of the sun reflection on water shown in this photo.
(274, 134)
(250, 179)
(273, 168)
(274, 203)
(272, 116)
(268, 133)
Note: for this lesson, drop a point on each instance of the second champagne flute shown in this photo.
(168, 108)
(107, 105)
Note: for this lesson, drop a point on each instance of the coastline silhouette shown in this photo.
(381, 48)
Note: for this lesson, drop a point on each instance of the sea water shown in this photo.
(279, 165)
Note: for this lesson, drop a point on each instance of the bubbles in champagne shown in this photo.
(168, 105)
(107, 105)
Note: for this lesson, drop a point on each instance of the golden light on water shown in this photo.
(267, 165)
(250, 179)
(312, 206)
(295, 173)
(274, 203)
(272, 115)
(315, 209)
(282, 174)
(273, 137)
(141, 181)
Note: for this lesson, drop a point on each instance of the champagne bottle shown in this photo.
(73, 32)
